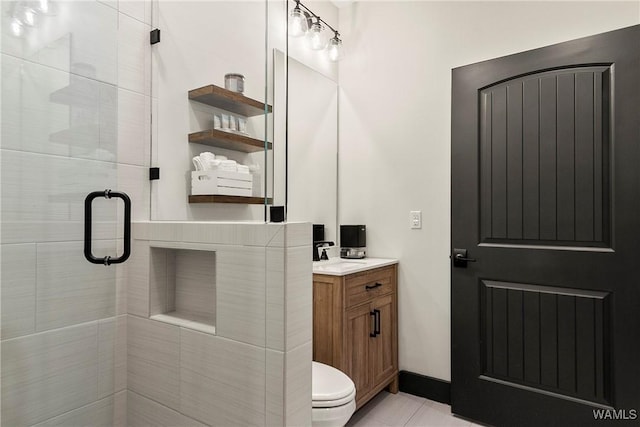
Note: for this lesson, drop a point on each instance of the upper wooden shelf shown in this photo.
(228, 140)
(233, 102)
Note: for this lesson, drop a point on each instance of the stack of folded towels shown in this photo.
(209, 161)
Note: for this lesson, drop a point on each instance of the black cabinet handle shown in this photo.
(373, 334)
(88, 254)
(369, 287)
(376, 323)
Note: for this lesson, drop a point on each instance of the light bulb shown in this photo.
(317, 40)
(297, 23)
(16, 27)
(334, 49)
(43, 6)
(29, 17)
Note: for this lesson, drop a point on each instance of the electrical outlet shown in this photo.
(415, 219)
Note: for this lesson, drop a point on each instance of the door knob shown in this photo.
(460, 258)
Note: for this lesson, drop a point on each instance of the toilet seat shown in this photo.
(333, 403)
(330, 387)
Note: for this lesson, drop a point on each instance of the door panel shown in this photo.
(549, 333)
(542, 148)
(382, 361)
(546, 195)
(359, 326)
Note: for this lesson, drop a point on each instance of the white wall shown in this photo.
(395, 133)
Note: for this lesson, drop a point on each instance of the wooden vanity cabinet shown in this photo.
(355, 328)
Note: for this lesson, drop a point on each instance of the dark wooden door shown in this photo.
(546, 197)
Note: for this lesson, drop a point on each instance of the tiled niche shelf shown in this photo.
(183, 288)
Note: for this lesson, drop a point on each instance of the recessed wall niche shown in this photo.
(183, 288)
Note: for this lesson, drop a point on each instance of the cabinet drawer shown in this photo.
(366, 286)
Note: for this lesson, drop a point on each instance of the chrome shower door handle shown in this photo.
(88, 201)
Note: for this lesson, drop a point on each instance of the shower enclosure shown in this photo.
(89, 105)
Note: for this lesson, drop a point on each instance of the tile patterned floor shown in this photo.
(402, 409)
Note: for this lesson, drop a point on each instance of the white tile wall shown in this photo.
(110, 3)
(53, 112)
(120, 409)
(240, 294)
(137, 279)
(43, 197)
(68, 129)
(77, 32)
(134, 9)
(297, 371)
(133, 128)
(112, 355)
(134, 180)
(294, 234)
(26, 91)
(275, 313)
(48, 374)
(275, 388)
(275, 235)
(18, 290)
(153, 354)
(159, 281)
(222, 382)
(134, 55)
(195, 284)
(69, 289)
(299, 296)
(143, 412)
(97, 414)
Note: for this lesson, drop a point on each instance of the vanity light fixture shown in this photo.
(302, 21)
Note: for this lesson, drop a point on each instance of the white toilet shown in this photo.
(334, 396)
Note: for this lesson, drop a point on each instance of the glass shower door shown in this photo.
(69, 105)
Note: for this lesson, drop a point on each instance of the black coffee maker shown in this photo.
(353, 241)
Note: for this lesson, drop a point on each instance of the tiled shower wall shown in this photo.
(75, 119)
(256, 368)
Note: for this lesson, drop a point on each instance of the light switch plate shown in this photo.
(415, 219)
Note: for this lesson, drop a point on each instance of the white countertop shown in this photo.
(342, 267)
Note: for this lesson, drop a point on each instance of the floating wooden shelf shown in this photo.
(228, 140)
(234, 102)
(216, 198)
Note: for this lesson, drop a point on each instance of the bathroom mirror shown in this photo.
(312, 146)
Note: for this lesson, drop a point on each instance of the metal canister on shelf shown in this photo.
(234, 82)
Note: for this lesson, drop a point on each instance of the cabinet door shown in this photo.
(382, 348)
(359, 326)
(327, 320)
